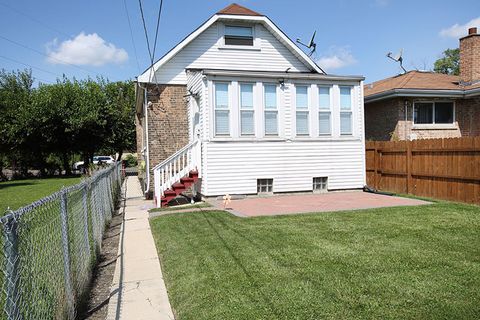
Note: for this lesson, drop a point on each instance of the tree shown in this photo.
(449, 63)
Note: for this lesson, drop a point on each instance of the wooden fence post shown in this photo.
(409, 168)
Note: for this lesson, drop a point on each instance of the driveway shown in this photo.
(324, 202)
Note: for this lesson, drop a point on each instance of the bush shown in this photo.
(131, 160)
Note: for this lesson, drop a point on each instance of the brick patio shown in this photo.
(333, 201)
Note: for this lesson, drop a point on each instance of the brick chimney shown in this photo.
(470, 57)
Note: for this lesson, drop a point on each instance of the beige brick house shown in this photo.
(422, 105)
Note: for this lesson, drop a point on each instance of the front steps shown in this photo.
(178, 188)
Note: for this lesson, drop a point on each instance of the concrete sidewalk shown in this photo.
(138, 290)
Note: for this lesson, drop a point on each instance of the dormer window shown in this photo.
(238, 36)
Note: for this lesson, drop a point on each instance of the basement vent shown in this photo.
(264, 185)
(320, 184)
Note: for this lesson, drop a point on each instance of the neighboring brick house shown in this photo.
(422, 105)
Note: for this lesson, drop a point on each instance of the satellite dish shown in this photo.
(311, 45)
(398, 58)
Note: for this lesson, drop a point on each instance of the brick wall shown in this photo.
(470, 58)
(167, 122)
(385, 120)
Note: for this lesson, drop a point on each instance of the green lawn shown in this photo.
(18, 193)
(393, 263)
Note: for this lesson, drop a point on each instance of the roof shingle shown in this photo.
(237, 9)
(415, 80)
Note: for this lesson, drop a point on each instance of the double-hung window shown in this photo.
(346, 110)
(237, 35)
(301, 110)
(247, 126)
(324, 113)
(433, 113)
(271, 110)
(222, 112)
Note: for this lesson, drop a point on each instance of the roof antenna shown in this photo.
(311, 45)
(398, 58)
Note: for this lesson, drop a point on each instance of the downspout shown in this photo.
(147, 147)
(406, 118)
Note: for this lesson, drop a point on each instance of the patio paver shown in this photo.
(304, 203)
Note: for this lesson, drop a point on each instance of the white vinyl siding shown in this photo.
(222, 112)
(324, 111)
(271, 110)
(206, 52)
(291, 165)
(302, 112)
(247, 113)
(346, 113)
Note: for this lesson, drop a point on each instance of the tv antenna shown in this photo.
(311, 45)
(398, 58)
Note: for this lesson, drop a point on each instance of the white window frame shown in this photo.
(345, 111)
(265, 110)
(315, 184)
(325, 110)
(267, 185)
(433, 124)
(229, 109)
(221, 42)
(306, 110)
(241, 109)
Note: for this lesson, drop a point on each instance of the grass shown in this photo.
(182, 207)
(19, 193)
(390, 263)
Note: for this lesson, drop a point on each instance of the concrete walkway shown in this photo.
(138, 291)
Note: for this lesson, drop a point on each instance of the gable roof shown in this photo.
(237, 9)
(246, 14)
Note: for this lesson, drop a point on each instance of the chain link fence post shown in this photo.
(10, 247)
(66, 255)
(85, 217)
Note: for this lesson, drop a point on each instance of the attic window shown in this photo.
(239, 36)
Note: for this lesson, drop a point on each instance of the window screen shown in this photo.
(241, 36)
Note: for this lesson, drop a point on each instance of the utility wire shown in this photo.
(43, 54)
(131, 36)
(33, 19)
(30, 66)
(145, 29)
(156, 31)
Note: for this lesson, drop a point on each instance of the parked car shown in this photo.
(96, 160)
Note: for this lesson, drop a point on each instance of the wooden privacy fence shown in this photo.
(437, 168)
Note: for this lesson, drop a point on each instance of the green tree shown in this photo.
(449, 63)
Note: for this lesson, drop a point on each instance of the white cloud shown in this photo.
(336, 58)
(85, 49)
(459, 30)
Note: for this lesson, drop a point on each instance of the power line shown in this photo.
(131, 35)
(145, 28)
(33, 19)
(156, 31)
(28, 65)
(43, 54)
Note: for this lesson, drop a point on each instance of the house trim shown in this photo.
(278, 75)
(148, 76)
(421, 93)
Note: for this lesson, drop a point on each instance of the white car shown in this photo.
(96, 160)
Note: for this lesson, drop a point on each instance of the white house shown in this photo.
(238, 102)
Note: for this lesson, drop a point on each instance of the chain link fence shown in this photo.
(49, 248)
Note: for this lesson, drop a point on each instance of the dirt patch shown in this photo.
(97, 306)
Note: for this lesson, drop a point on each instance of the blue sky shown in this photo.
(353, 37)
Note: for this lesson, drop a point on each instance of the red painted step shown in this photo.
(179, 187)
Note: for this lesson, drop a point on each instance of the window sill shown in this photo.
(446, 126)
(235, 47)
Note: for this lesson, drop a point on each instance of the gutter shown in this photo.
(393, 93)
(273, 74)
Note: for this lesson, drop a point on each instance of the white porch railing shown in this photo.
(175, 167)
